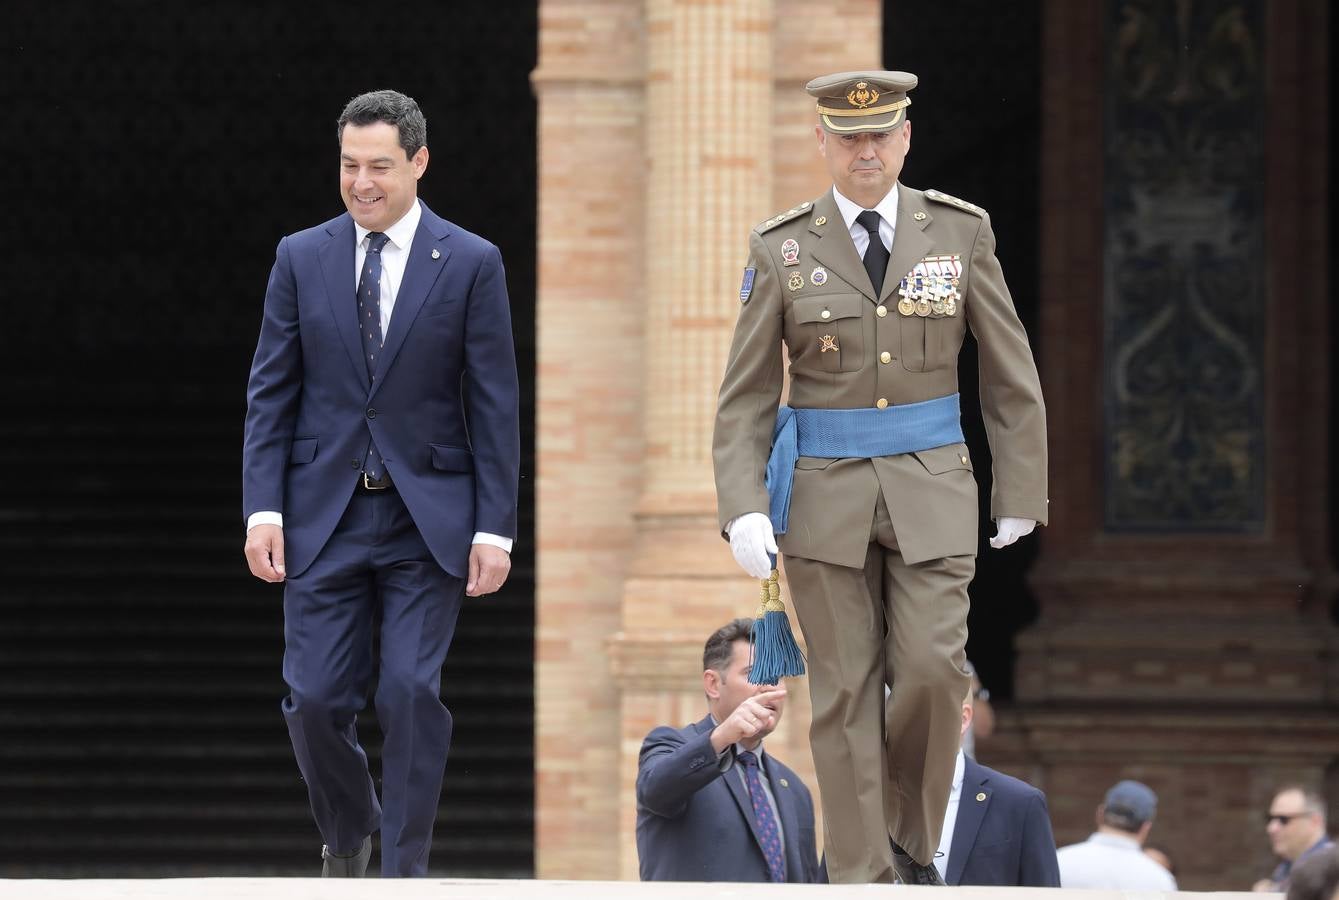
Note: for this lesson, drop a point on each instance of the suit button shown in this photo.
(371, 413)
(881, 310)
(885, 357)
(883, 403)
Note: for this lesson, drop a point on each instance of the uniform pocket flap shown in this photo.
(945, 459)
(451, 459)
(837, 306)
(303, 451)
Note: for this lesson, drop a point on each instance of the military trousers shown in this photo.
(884, 760)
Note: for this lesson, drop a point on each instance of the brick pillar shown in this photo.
(667, 130)
(589, 397)
(708, 151)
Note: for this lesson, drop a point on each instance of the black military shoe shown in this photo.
(351, 866)
(911, 872)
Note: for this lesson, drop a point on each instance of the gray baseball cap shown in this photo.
(1131, 802)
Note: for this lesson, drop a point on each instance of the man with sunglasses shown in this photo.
(1295, 825)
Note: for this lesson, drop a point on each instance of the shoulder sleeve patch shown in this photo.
(783, 217)
(746, 288)
(941, 197)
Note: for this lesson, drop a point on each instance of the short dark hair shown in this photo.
(391, 107)
(1313, 801)
(1316, 877)
(720, 648)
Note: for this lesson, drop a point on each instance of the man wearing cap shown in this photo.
(1113, 858)
(862, 480)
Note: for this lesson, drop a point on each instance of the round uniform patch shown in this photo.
(818, 276)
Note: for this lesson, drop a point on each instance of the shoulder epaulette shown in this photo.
(954, 201)
(783, 217)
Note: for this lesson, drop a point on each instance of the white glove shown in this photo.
(1009, 529)
(751, 539)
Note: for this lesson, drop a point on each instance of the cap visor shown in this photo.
(859, 124)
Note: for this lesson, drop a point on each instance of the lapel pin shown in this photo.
(918, 216)
(818, 276)
(785, 783)
(821, 221)
(436, 254)
(981, 797)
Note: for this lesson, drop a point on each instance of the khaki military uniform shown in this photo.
(879, 552)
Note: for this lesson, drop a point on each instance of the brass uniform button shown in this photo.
(964, 459)
(885, 357)
(881, 310)
(883, 403)
(826, 314)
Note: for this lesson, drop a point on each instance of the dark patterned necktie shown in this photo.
(369, 326)
(876, 254)
(762, 812)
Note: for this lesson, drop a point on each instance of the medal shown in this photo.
(790, 252)
(818, 276)
(795, 282)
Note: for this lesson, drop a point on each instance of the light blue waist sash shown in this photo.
(853, 433)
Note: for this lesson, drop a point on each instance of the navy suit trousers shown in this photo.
(375, 568)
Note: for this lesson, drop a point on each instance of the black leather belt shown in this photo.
(368, 485)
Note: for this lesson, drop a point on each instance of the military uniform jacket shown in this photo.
(848, 346)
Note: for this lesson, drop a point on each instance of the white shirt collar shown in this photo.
(1119, 841)
(401, 233)
(886, 208)
(958, 768)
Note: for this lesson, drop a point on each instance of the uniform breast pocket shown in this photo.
(828, 334)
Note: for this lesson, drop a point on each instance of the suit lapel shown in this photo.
(910, 243)
(336, 256)
(835, 249)
(421, 272)
(971, 813)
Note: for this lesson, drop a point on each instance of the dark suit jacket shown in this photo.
(696, 823)
(443, 408)
(1004, 838)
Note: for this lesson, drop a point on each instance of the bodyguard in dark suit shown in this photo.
(711, 805)
(380, 470)
(1000, 828)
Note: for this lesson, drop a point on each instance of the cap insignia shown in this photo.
(862, 95)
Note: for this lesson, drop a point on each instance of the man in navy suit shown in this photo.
(711, 805)
(997, 830)
(380, 470)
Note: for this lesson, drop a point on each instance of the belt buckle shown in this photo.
(369, 486)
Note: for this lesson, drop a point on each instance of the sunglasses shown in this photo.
(1284, 820)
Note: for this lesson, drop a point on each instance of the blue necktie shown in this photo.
(369, 326)
(762, 812)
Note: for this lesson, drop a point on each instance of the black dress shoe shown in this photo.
(911, 872)
(352, 866)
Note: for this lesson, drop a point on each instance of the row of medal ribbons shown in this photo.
(931, 287)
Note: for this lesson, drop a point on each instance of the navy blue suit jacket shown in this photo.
(1004, 838)
(443, 408)
(696, 823)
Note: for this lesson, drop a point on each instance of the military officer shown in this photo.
(862, 480)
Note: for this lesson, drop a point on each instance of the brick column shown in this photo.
(667, 130)
(588, 413)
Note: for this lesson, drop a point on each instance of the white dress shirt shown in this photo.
(950, 819)
(394, 258)
(1111, 862)
(887, 210)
